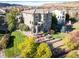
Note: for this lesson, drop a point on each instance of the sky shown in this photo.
(33, 2)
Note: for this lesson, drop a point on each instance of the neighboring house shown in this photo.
(60, 15)
(37, 19)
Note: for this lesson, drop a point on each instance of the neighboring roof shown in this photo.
(41, 11)
(29, 11)
(36, 11)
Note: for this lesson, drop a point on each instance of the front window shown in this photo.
(45, 16)
(38, 17)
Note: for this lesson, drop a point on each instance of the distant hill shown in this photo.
(64, 5)
(7, 4)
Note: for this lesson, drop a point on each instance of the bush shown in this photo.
(4, 41)
(43, 51)
(71, 40)
(71, 45)
(28, 47)
(23, 27)
(73, 54)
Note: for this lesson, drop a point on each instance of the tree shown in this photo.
(54, 23)
(23, 27)
(67, 17)
(4, 41)
(11, 19)
(28, 47)
(71, 40)
(43, 51)
(73, 54)
(33, 50)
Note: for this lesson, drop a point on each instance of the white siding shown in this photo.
(28, 19)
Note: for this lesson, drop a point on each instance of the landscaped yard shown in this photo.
(17, 38)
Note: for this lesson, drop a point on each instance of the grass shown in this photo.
(76, 26)
(58, 35)
(14, 51)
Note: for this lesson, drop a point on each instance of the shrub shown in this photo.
(28, 47)
(71, 40)
(4, 41)
(71, 45)
(23, 27)
(43, 51)
(73, 54)
(31, 49)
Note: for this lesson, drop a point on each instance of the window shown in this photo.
(62, 16)
(38, 17)
(45, 16)
(35, 23)
(30, 22)
(63, 12)
(58, 16)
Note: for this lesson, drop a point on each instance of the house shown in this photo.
(60, 15)
(37, 19)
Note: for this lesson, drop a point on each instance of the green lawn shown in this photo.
(76, 26)
(58, 35)
(14, 51)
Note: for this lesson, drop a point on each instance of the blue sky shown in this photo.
(33, 2)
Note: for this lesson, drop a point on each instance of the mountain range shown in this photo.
(7, 4)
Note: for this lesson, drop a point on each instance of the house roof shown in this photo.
(31, 11)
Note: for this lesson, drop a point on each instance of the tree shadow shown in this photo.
(69, 29)
(58, 52)
(11, 42)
